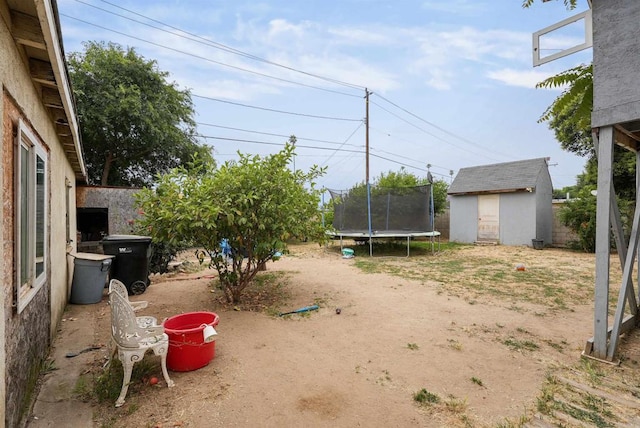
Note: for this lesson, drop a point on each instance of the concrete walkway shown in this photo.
(56, 404)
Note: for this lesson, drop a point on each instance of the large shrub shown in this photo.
(253, 205)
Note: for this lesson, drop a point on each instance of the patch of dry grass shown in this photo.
(555, 278)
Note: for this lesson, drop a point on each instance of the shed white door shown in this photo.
(488, 217)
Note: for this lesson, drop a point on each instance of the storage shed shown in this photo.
(507, 203)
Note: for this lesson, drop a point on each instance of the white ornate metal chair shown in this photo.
(144, 320)
(133, 340)
(117, 286)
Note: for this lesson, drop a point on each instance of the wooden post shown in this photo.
(603, 214)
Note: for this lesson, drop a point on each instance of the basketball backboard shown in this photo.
(548, 47)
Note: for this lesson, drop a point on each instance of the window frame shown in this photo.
(28, 280)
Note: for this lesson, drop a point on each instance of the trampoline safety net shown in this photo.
(402, 209)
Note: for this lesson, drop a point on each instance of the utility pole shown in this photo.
(366, 97)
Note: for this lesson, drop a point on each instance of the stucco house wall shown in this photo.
(26, 334)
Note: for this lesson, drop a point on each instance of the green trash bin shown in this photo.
(89, 277)
(131, 265)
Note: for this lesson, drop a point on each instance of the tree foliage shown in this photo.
(403, 178)
(575, 102)
(579, 214)
(134, 123)
(569, 116)
(570, 4)
(573, 135)
(254, 205)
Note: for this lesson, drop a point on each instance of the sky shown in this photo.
(451, 82)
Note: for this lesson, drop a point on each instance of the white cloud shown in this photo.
(281, 27)
(358, 36)
(447, 57)
(384, 59)
(229, 89)
(453, 6)
(440, 79)
(520, 78)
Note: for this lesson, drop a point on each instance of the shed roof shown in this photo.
(499, 177)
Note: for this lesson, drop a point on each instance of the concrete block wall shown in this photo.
(562, 235)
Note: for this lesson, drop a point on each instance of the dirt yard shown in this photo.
(485, 344)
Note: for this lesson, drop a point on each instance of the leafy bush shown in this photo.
(253, 205)
(579, 215)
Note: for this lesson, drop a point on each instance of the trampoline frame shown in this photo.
(386, 234)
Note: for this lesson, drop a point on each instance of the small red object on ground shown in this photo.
(153, 380)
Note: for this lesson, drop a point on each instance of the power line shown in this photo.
(241, 140)
(407, 141)
(343, 144)
(228, 49)
(439, 127)
(402, 157)
(277, 111)
(434, 135)
(218, 45)
(204, 58)
(271, 134)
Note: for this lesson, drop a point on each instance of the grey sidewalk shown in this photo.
(55, 405)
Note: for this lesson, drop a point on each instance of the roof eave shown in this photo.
(491, 192)
(48, 17)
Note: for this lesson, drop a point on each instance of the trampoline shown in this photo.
(363, 235)
(384, 213)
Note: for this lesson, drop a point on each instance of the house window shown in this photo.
(31, 216)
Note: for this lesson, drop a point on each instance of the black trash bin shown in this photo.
(131, 263)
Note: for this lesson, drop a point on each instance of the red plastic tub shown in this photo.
(187, 348)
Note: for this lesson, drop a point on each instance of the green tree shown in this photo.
(579, 214)
(135, 124)
(562, 193)
(255, 205)
(403, 178)
(572, 108)
(440, 188)
(569, 116)
(570, 4)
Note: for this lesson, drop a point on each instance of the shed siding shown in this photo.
(517, 218)
(544, 209)
(525, 192)
(463, 218)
